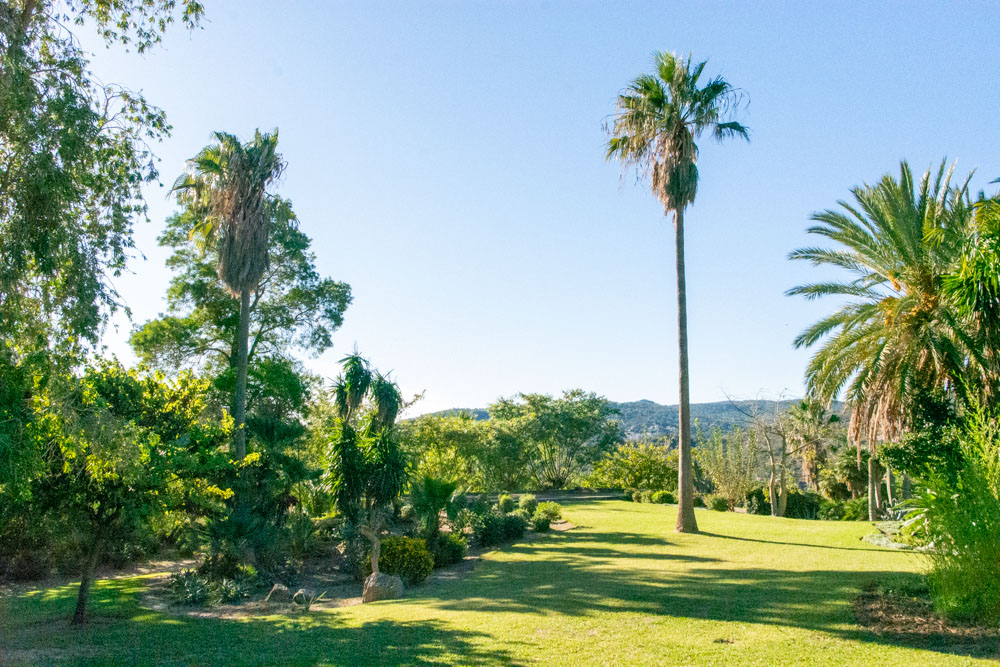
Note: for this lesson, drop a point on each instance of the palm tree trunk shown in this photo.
(686, 522)
(240, 397)
(873, 482)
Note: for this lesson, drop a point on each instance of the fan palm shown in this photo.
(227, 183)
(897, 331)
(659, 116)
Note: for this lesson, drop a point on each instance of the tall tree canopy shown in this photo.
(659, 118)
(74, 156)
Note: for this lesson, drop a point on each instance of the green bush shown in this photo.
(523, 514)
(466, 520)
(489, 529)
(550, 509)
(191, 588)
(856, 509)
(830, 510)
(698, 501)
(540, 523)
(959, 514)
(528, 503)
(663, 498)
(637, 496)
(646, 496)
(629, 494)
(802, 505)
(449, 549)
(756, 502)
(406, 557)
(506, 504)
(513, 527)
(718, 503)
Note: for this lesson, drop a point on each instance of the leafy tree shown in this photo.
(898, 332)
(367, 466)
(226, 186)
(119, 449)
(637, 465)
(450, 448)
(563, 435)
(814, 430)
(731, 462)
(659, 118)
(75, 156)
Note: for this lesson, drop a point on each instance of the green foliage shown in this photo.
(540, 523)
(636, 465)
(559, 437)
(528, 503)
(449, 548)
(494, 528)
(756, 501)
(646, 496)
(699, 501)
(718, 503)
(731, 461)
(848, 510)
(190, 588)
(636, 496)
(505, 503)
(407, 558)
(431, 497)
(549, 509)
(960, 520)
(663, 498)
(932, 444)
(76, 156)
(802, 505)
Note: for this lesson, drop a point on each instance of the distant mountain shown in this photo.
(649, 419)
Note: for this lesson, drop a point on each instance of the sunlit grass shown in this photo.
(622, 588)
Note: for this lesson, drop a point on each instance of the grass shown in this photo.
(622, 588)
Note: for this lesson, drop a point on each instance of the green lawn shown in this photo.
(622, 588)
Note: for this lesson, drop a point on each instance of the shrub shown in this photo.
(628, 494)
(633, 465)
(637, 496)
(191, 588)
(465, 520)
(406, 557)
(449, 549)
(233, 590)
(718, 503)
(646, 496)
(698, 501)
(550, 509)
(802, 505)
(756, 502)
(663, 498)
(959, 515)
(505, 503)
(528, 503)
(540, 523)
(513, 527)
(856, 510)
(830, 510)
(489, 529)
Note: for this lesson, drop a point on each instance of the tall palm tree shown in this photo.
(897, 331)
(227, 182)
(659, 116)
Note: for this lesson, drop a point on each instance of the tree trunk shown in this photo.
(890, 488)
(872, 488)
(686, 522)
(906, 486)
(240, 397)
(782, 491)
(772, 492)
(80, 614)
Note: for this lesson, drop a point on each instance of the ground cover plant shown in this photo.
(614, 590)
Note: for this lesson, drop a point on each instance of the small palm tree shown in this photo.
(898, 332)
(227, 183)
(659, 117)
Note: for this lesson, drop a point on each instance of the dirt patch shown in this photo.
(911, 621)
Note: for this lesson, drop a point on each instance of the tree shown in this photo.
(226, 186)
(659, 118)
(450, 448)
(637, 465)
(367, 466)
(121, 448)
(75, 155)
(731, 462)
(898, 332)
(562, 435)
(430, 497)
(814, 430)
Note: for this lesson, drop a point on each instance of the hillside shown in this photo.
(647, 418)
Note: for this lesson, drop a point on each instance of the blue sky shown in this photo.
(447, 160)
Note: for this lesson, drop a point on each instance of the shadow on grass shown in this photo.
(577, 579)
(790, 544)
(35, 629)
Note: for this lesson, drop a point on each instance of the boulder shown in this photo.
(382, 586)
(279, 593)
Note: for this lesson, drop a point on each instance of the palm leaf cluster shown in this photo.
(896, 330)
(228, 182)
(660, 116)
